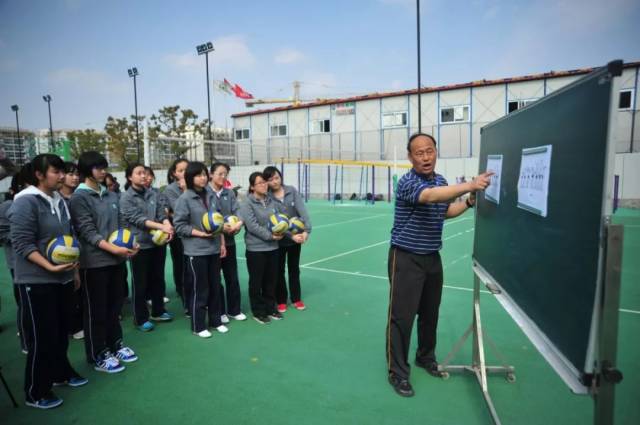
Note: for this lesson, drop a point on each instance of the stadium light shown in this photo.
(15, 109)
(47, 98)
(133, 73)
(204, 49)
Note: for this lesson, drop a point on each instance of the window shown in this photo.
(279, 130)
(625, 99)
(394, 119)
(514, 105)
(242, 134)
(320, 126)
(451, 114)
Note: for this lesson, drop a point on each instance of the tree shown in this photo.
(86, 140)
(171, 121)
(122, 144)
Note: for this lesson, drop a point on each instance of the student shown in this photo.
(262, 249)
(142, 211)
(151, 178)
(37, 215)
(202, 251)
(16, 186)
(69, 185)
(228, 204)
(175, 187)
(289, 246)
(95, 215)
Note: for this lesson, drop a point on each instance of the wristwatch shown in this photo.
(469, 204)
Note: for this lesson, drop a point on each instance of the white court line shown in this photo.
(455, 261)
(349, 221)
(624, 310)
(345, 253)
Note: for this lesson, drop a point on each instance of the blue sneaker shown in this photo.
(108, 364)
(146, 326)
(47, 402)
(76, 381)
(126, 354)
(164, 317)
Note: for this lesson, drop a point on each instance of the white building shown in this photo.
(376, 126)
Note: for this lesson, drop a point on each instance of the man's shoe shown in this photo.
(431, 368)
(401, 386)
(126, 354)
(109, 364)
(48, 402)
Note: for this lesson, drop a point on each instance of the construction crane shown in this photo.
(295, 100)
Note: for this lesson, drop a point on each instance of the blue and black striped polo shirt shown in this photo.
(417, 227)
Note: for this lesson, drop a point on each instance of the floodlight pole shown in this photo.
(133, 73)
(419, 82)
(204, 49)
(47, 98)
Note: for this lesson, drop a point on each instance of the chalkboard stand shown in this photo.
(478, 364)
(606, 375)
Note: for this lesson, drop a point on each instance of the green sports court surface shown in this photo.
(326, 365)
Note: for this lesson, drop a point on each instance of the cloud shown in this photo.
(231, 52)
(86, 81)
(288, 56)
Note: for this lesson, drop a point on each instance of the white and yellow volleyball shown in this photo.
(64, 249)
(123, 238)
(232, 220)
(296, 225)
(278, 223)
(212, 222)
(158, 237)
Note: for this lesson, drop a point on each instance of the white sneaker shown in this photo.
(78, 335)
(203, 334)
(224, 319)
(222, 329)
(240, 317)
(166, 300)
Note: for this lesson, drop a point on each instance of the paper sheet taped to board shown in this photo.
(494, 164)
(533, 183)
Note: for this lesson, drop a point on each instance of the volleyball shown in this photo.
(63, 250)
(296, 225)
(278, 223)
(212, 222)
(158, 237)
(231, 219)
(123, 238)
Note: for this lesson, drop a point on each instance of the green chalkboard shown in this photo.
(548, 263)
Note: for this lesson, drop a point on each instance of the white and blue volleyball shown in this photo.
(212, 222)
(158, 237)
(231, 219)
(278, 224)
(64, 249)
(296, 225)
(123, 238)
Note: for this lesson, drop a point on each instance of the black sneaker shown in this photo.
(401, 386)
(431, 367)
(263, 320)
(276, 316)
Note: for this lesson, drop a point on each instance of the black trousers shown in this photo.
(103, 298)
(22, 321)
(46, 306)
(177, 260)
(75, 312)
(230, 298)
(289, 255)
(263, 273)
(163, 282)
(147, 279)
(203, 278)
(415, 289)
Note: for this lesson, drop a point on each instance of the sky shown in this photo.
(78, 51)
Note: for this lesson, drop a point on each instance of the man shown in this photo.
(423, 201)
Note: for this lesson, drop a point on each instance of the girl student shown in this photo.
(261, 249)
(175, 187)
(289, 246)
(202, 251)
(151, 178)
(142, 211)
(228, 204)
(95, 214)
(37, 215)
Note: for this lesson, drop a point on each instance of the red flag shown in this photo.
(239, 92)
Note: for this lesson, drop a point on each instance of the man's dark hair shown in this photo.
(416, 135)
(271, 171)
(193, 169)
(90, 160)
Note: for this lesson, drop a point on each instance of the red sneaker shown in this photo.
(299, 305)
(282, 308)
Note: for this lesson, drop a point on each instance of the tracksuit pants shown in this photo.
(415, 289)
(46, 305)
(103, 298)
(289, 255)
(22, 321)
(177, 260)
(202, 277)
(147, 279)
(263, 273)
(230, 292)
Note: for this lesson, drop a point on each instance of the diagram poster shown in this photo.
(533, 183)
(494, 164)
